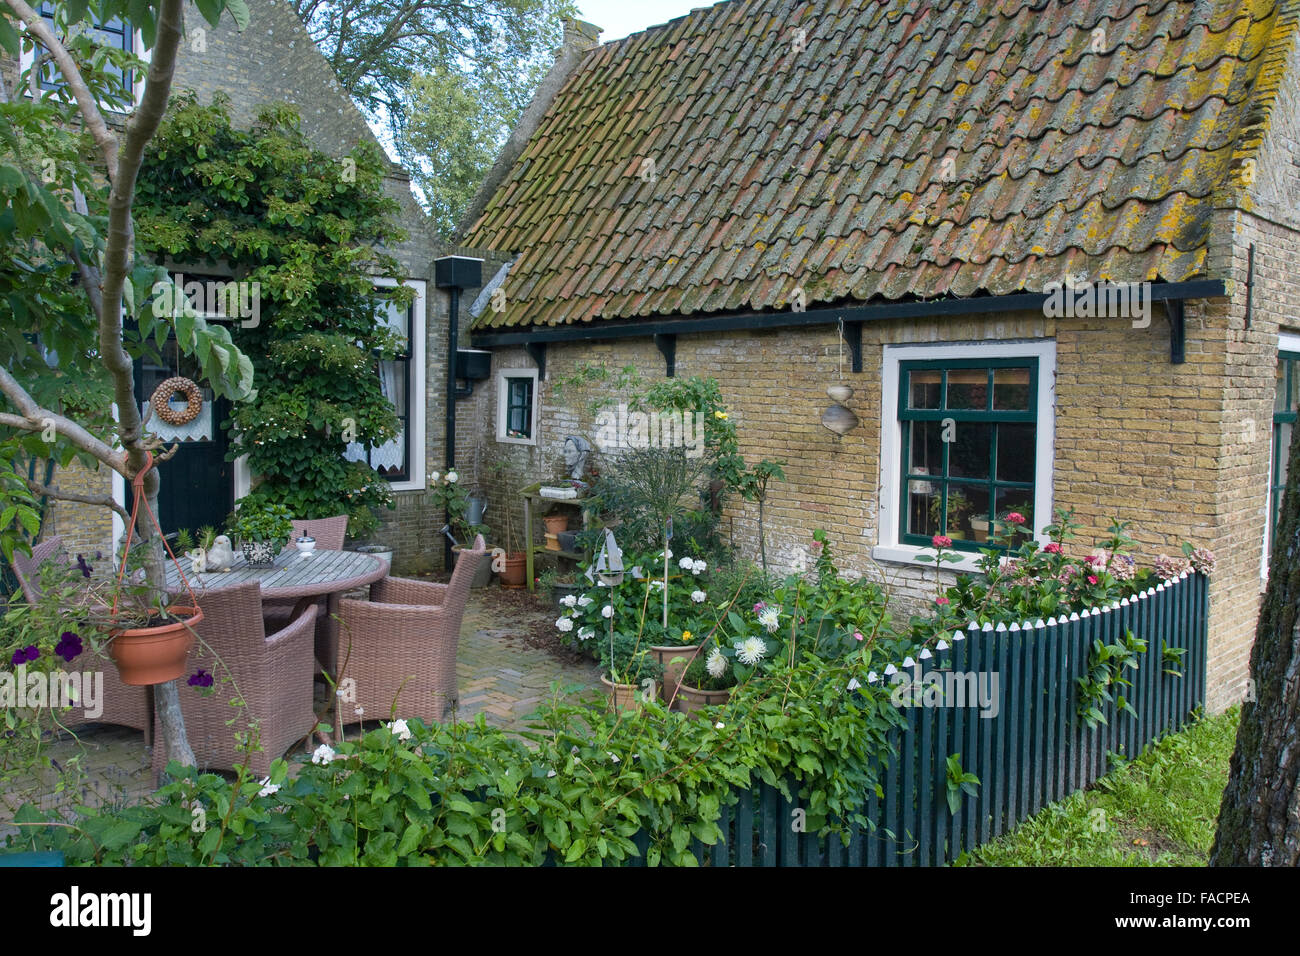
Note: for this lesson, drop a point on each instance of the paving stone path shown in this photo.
(499, 675)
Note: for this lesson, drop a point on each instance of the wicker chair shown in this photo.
(330, 534)
(402, 643)
(122, 704)
(273, 672)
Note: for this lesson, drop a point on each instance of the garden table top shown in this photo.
(291, 575)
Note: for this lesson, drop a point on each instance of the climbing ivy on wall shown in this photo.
(308, 228)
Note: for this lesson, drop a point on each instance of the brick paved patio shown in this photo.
(500, 675)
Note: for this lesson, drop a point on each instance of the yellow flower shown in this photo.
(722, 415)
(686, 635)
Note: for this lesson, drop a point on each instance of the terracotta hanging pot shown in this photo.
(155, 655)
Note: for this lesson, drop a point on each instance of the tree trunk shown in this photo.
(1259, 820)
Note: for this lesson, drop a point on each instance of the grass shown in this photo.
(1157, 810)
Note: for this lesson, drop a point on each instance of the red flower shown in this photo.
(941, 541)
(1016, 517)
(1092, 579)
(941, 601)
(1052, 548)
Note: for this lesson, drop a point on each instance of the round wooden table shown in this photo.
(292, 577)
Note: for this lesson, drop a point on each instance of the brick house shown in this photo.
(785, 195)
(275, 60)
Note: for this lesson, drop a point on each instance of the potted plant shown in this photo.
(513, 570)
(626, 665)
(708, 681)
(447, 493)
(263, 529)
(149, 634)
(958, 506)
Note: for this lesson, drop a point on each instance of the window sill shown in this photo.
(506, 439)
(911, 554)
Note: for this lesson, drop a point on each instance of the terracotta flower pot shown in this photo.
(556, 523)
(621, 696)
(155, 655)
(691, 699)
(515, 572)
(674, 659)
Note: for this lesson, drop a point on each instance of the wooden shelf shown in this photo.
(531, 498)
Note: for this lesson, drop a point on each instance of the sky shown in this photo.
(618, 18)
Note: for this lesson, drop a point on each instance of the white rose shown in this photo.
(564, 624)
(452, 477)
(434, 477)
(569, 600)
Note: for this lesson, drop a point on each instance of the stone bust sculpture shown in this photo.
(576, 452)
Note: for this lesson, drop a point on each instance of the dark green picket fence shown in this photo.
(1035, 751)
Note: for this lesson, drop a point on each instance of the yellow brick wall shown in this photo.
(1138, 439)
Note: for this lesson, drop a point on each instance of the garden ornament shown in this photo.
(576, 451)
(222, 555)
(198, 560)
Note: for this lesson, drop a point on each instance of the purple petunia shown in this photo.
(24, 654)
(200, 678)
(69, 645)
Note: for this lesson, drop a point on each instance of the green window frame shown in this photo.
(991, 428)
(519, 407)
(115, 33)
(1284, 419)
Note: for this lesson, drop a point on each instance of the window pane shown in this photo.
(968, 512)
(1011, 389)
(1016, 452)
(923, 507)
(1294, 367)
(1019, 500)
(925, 388)
(1283, 432)
(968, 453)
(925, 456)
(968, 388)
(1279, 391)
(397, 318)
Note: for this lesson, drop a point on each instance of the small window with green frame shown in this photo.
(519, 407)
(1286, 401)
(969, 448)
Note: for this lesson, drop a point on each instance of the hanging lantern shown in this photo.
(839, 418)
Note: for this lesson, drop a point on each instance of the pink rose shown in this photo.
(941, 541)
(1015, 518)
(1052, 548)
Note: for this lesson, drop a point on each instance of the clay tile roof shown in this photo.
(929, 149)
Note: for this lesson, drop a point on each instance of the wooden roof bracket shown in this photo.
(666, 343)
(1177, 331)
(537, 352)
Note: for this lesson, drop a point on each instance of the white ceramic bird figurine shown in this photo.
(198, 560)
(221, 555)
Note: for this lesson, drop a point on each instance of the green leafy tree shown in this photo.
(71, 274)
(307, 228)
(446, 80)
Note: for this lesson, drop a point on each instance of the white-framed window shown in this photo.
(116, 33)
(1286, 406)
(517, 405)
(966, 437)
(402, 459)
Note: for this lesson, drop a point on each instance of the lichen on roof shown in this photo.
(866, 150)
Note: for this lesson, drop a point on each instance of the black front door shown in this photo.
(197, 483)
